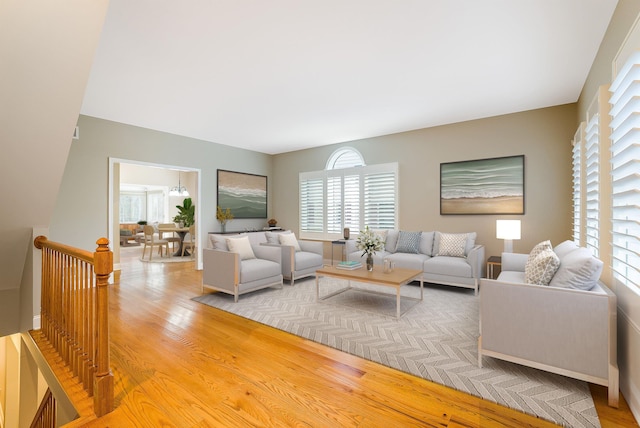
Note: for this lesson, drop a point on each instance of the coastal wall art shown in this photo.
(483, 186)
(244, 194)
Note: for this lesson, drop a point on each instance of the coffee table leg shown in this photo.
(317, 289)
(398, 303)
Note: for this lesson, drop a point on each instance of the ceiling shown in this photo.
(282, 75)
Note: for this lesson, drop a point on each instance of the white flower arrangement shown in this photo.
(369, 242)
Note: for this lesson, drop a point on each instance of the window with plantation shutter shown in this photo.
(625, 171)
(577, 184)
(311, 203)
(347, 194)
(592, 185)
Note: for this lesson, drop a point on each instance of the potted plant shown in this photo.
(186, 213)
(223, 216)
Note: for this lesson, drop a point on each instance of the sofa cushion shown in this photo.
(242, 246)
(290, 240)
(449, 266)
(255, 269)
(218, 242)
(542, 268)
(306, 260)
(512, 276)
(578, 269)
(426, 243)
(408, 261)
(470, 243)
(392, 241)
(452, 244)
(564, 248)
(408, 242)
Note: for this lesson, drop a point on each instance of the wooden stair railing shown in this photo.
(74, 314)
(46, 414)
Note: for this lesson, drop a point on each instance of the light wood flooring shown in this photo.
(178, 363)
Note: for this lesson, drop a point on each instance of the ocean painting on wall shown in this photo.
(244, 194)
(483, 186)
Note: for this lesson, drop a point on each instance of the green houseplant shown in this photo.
(186, 213)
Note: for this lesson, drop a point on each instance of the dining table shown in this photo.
(182, 232)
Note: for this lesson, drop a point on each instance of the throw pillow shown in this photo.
(542, 268)
(242, 246)
(272, 237)
(408, 242)
(579, 270)
(564, 248)
(289, 239)
(544, 245)
(218, 242)
(382, 233)
(453, 244)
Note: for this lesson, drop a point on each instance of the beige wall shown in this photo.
(543, 136)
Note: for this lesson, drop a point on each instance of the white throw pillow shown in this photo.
(579, 270)
(564, 248)
(242, 246)
(542, 268)
(452, 244)
(289, 239)
(272, 237)
(218, 242)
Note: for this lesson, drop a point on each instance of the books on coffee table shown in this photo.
(349, 265)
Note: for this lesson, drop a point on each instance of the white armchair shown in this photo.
(234, 271)
(299, 258)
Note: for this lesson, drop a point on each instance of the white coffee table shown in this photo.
(395, 279)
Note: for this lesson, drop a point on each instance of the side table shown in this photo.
(341, 243)
(491, 264)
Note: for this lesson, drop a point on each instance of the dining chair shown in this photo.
(152, 241)
(191, 243)
(170, 236)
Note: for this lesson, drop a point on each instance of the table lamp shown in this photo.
(508, 230)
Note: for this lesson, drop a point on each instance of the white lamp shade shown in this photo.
(508, 229)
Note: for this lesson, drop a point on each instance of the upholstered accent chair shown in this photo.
(236, 266)
(300, 258)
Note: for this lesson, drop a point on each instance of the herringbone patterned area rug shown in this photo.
(435, 339)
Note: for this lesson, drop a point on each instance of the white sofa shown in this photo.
(567, 327)
(438, 264)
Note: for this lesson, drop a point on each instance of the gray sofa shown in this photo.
(567, 327)
(462, 268)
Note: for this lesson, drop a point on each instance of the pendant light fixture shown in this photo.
(178, 190)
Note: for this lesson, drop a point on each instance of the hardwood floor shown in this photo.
(180, 363)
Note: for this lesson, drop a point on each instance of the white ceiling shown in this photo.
(282, 75)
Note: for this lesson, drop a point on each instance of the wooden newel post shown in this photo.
(103, 381)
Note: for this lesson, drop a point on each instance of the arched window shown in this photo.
(345, 157)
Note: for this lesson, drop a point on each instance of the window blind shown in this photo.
(577, 184)
(625, 171)
(311, 203)
(592, 185)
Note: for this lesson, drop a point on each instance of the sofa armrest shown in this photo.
(514, 262)
(220, 268)
(267, 252)
(312, 246)
(476, 259)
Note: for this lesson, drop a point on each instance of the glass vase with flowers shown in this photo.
(369, 242)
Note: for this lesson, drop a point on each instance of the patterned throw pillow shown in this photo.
(408, 242)
(544, 245)
(542, 268)
(452, 244)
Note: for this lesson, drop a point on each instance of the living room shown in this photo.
(542, 135)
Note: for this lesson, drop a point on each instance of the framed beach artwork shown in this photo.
(483, 186)
(244, 194)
